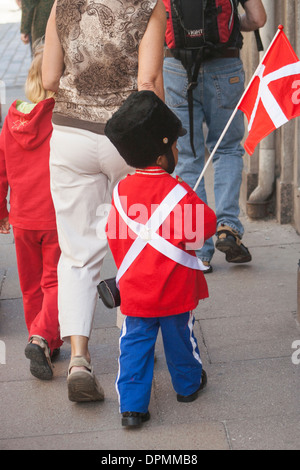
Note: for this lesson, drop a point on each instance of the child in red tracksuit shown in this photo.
(24, 168)
(155, 224)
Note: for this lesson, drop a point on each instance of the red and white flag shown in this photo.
(273, 95)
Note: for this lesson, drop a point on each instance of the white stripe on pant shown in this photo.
(84, 168)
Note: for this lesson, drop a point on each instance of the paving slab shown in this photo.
(201, 436)
(247, 331)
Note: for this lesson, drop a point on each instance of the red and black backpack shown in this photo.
(196, 24)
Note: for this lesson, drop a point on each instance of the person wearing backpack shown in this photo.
(204, 80)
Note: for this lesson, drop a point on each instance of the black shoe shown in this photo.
(194, 396)
(39, 356)
(55, 354)
(209, 267)
(134, 419)
(230, 243)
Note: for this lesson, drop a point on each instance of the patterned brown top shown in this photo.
(100, 41)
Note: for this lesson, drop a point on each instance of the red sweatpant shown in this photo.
(38, 253)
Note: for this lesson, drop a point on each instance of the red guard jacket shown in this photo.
(155, 285)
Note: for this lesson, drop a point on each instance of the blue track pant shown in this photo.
(136, 363)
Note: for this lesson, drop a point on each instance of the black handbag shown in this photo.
(109, 293)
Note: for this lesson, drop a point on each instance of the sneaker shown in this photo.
(194, 396)
(229, 242)
(39, 356)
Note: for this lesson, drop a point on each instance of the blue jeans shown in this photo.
(220, 86)
(137, 343)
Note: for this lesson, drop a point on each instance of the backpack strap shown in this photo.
(193, 81)
(259, 43)
(192, 66)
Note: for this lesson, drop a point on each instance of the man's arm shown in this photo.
(254, 17)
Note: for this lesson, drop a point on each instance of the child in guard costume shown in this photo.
(24, 167)
(160, 279)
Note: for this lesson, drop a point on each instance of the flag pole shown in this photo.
(280, 28)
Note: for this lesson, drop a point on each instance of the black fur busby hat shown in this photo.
(143, 128)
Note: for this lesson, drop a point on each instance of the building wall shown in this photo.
(271, 179)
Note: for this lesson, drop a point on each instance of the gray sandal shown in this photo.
(83, 385)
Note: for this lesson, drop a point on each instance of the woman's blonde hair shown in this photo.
(34, 89)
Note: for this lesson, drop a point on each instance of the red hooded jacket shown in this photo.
(24, 167)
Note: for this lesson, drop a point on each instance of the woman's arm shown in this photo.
(53, 57)
(151, 52)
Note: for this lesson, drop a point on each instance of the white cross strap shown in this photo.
(147, 233)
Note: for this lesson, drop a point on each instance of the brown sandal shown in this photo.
(230, 243)
(83, 385)
(39, 356)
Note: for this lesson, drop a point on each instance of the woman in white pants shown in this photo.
(95, 56)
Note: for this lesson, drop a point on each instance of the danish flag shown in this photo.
(273, 95)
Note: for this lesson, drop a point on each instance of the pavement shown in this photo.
(248, 333)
